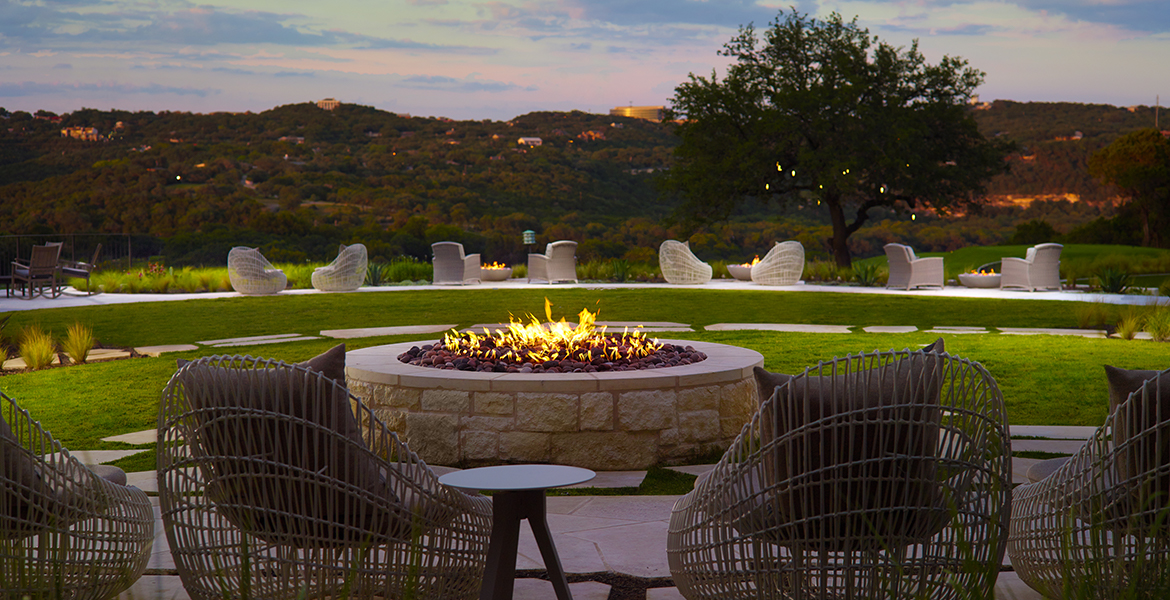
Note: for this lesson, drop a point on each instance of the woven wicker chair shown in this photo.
(65, 531)
(451, 265)
(276, 483)
(346, 273)
(252, 274)
(680, 266)
(1099, 526)
(40, 274)
(1038, 270)
(783, 265)
(557, 264)
(908, 271)
(883, 475)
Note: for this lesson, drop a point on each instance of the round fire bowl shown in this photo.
(740, 272)
(975, 280)
(603, 421)
(495, 274)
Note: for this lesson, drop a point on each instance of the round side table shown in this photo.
(519, 495)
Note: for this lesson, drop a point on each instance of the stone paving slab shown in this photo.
(782, 327)
(1020, 468)
(146, 481)
(613, 479)
(155, 351)
(669, 593)
(1088, 333)
(890, 329)
(302, 338)
(156, 587)
(95, 355)
(1141, 335)
(137, 438)
(956, 329)
(1056, 446)
(539, 589)
(272, 338)
(1056, 432)
(97, 457)
(695, 470)
(362, 332)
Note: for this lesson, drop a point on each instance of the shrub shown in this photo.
(1158, 324)
(1164, 289)
(1090, 314)
(1114, 280)
(405, 268)
(36, 348)
(821, 270)
(866, 274)
(78, 342)
(1129, 326)
(375, 274)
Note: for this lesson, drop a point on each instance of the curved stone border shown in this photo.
(601, 421)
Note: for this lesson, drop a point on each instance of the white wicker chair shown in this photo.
(908, 271)
(346, 273)
(680, 266)
(250, 273)
(65, 531)
(882, 475)
(783, 265)
(558, 263)
(276, 483)
(1039, 270)
(451, 265)
(1099, 526)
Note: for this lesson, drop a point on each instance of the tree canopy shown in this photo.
(820, 115)
(1138, 163)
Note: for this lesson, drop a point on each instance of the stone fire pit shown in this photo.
(602, 421)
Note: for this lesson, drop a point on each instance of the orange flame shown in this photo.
(494, 266)
(983, 272)
(753, 263)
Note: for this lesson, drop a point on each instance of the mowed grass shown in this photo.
(1054, 380)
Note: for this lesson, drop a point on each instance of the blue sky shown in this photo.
(495, 59)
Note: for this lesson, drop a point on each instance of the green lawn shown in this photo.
(1056, 380)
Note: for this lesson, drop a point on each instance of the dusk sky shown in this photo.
(496, 59)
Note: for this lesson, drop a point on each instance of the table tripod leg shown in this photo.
(538, 520)
(499, 575)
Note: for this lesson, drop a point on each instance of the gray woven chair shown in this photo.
(252, 274)
(680, 266)
(908, 271)
(276, 483)
(65, 531)
(346, 273)
(1038, 270)
(1099, 526)
(883, 475)
(782, 265)
(451, 265)
(557, 264)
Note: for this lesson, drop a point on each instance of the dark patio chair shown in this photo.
(81, 270)
(38, 273)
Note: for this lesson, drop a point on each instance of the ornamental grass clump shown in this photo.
(36, 347)
(1090, 314)
(1129, 325)
(1158, 324)
(78, 342)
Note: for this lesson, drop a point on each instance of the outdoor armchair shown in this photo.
(346, 273)
(782, 265)
(908, 271)
(558, 263)
(879, 475)
(1099, 526)
(250, 273)
(451, 265)
(680, 266)
(275, 482)
(39, 274)
(65, 530)
(81, 270)
(1038, 270)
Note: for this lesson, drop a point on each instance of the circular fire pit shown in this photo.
(740, 272)
(495, 274)
(602, 421)
(979, 280)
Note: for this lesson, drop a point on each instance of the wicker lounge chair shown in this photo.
(81, 270)
(1099, 526)
(66, 530)
(908, 271)
(452, 266)
(881, 475)
(557, 264)
(680, 266)
(252, 274)
(40, 274)
(277, 483)
(346, 273)
(1038, 270)
(783, 265)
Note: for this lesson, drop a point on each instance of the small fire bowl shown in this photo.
(495, 274)
(975, 280)
(740, 272)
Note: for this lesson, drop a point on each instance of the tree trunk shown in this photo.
(840, 240)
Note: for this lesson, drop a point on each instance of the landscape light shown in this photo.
(794, 173)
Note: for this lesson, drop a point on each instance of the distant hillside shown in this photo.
(298, 179)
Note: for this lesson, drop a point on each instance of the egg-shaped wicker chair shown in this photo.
(275, 482)
(1099, 526)
(66, 530)
(346, 273)
(880, 475)
(782, 265)
(251, 274)
(680, 266)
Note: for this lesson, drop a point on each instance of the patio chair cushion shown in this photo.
(286, 481)
(28, 503)
(1141, 436)
(848, 469)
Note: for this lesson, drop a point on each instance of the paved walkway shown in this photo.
(605, 542)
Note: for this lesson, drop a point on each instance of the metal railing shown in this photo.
(117, 250)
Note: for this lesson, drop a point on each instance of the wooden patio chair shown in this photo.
(39, 273)
(81, 270)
